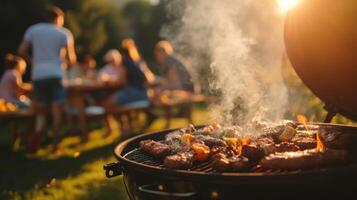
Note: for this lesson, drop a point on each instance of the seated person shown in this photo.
(11, 85)
(133, 54)
(85, 70)
(134, 90)
(176, 74)
(110, 73)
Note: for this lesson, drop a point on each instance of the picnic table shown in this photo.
(185, 103)
(13, 117)
(77, 94)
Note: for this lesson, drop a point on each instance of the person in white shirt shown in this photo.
(52, 49)
(110, 72)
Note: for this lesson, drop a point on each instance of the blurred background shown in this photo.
(99, 25)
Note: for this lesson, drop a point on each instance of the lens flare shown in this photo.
(285, 5)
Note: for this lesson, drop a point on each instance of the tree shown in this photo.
(16, 17)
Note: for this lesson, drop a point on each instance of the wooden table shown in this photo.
(77, 94)
(13, 117)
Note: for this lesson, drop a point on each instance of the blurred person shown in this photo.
(52, 49)
(110, 73)
(11, 85)
(134, 90)
(133, 54)
(85, 69)
(177, 82)
(176, 74)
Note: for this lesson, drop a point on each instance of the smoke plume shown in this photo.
(244, 43)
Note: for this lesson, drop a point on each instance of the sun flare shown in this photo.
(285, 5)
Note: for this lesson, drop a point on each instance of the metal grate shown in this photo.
(139, 156)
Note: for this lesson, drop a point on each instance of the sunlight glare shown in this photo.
(285, 5)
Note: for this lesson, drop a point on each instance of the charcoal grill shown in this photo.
(146, 178)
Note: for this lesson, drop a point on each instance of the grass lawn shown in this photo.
(76, 174)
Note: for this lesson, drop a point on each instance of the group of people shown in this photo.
(54, 59)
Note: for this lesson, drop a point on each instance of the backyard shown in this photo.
(228, 66)
(76, 174)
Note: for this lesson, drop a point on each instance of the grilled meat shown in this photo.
(304, 141)
(253, 152)
(182, 160)
(335, 139)
(278, 128)
(210, 141)
(281, 147)
(286, 146)
(221, 162)
(155, 149)
(258, 148)
(303, 159)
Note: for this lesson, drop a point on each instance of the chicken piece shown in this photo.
(155, 149)
(182, 160)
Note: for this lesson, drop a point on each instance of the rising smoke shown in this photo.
(244, 41)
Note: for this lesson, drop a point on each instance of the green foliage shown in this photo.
(143, 23)
(97, 25)
(93, 23)
(15, 17)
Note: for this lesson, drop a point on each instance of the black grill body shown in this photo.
(146, 178)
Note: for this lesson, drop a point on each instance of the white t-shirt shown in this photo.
(109, 73)
(48, 42)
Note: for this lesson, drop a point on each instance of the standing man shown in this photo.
(52, 49)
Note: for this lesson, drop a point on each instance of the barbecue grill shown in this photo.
(324, 56)
(146, 178)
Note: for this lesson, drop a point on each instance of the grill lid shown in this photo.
(321, 43)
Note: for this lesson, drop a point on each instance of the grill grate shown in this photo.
(139, 156)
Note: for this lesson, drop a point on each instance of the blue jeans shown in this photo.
(130, 94)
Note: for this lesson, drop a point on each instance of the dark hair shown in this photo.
(53, 13)
(125, 53)
(11, 61)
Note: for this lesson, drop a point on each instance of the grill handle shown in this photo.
(150, 192)
(113, 169)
